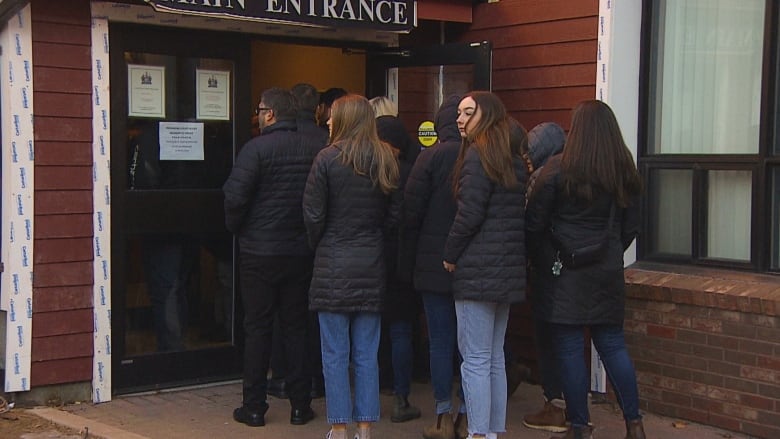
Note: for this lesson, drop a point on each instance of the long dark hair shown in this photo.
(490, 138)
(595, 157)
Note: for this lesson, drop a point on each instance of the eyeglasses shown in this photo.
(259, 109)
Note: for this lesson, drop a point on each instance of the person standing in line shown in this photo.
(322, 114)
(582, 214)
(263, 196)
(349, 206)
(544, 141)
(306, 100)
(401, 306)
(429, 210)
(485, 250)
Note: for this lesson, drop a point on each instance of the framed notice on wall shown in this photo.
(146, 91)
(213, 94)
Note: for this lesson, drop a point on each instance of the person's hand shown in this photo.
(449, 267)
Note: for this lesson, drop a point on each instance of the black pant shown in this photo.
(271, 284)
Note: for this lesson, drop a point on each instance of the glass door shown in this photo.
(179, 108)
(424, 77)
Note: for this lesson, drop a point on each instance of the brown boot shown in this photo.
(550, 418)
(635, 429)
(442, 429)
(461, 426)
(585, 432)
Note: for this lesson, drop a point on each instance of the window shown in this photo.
(708, 158)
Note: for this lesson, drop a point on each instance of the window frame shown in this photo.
(760, 165)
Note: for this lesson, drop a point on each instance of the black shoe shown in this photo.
(249, 417)
(301, 416)
(277, 388)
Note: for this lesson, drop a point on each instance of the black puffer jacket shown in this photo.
(594, 294)
(264, 191)
(429, 206)
(401, 301)
(346, 219)
(487, 238)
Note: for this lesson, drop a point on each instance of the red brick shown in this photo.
(644, 315)
(725, 315)
(768, 362)
(696, 337)
(677, 399)
(661, 408)
(675, 320)
(707, 404)
(676, 372)
(690, 362)
(741, 412)
(757, 402)
(692, 414)
(660, 331)
(717, 393)
(757, 347)
(739, 385)
(739, 330)
(755, 373)
(723, 342)
(692, 388)
(678, 347)
(635, 327)
(707, 378)
(692, 311)
(754, 319)
(707, 352)
(650, 392)
(723, 368)
(767, 334)
(740, 358)
(707, 325)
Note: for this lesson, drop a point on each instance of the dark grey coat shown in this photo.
(589, 295)
(346, 219)
(487, 238)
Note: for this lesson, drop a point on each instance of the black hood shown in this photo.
(544, 141)
(445, 123)
(392, 131)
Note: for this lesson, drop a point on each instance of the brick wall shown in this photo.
(707, 348)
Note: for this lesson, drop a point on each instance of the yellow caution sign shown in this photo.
(426, 134)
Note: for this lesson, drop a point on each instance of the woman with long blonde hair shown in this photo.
(349, 202)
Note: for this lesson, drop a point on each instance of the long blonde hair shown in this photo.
(353, 131)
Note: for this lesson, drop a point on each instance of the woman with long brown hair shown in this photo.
(485, 251)
(350, 200)
(581, 216)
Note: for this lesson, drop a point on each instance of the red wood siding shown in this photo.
(62, 283)
(544, 55)
(544, 63)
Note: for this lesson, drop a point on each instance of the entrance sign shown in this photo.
(181, 141)
(383, 15)
(426, 134)
(145, 91)
(213, 94)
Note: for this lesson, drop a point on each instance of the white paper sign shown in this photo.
(213, 97)
(181, 141)
(145, 91)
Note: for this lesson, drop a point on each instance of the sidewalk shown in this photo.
(206, 413)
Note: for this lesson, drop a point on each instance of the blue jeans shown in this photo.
(401, 345)
(548, 367)
(442, 327)
(481, 330)
(569, 346)
(336, 331)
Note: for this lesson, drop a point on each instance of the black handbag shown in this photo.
(586, 252)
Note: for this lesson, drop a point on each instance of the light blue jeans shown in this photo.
(336, 331)
(481, 330)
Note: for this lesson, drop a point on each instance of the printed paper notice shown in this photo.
(146, 91)
(213, 94)
(181, 141)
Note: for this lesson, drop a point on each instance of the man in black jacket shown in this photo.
(263, 199)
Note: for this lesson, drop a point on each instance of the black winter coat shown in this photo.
(346, 220)
(401, 301)
(264, 192)
(487, 238)
(594, 294)
(429, 205)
